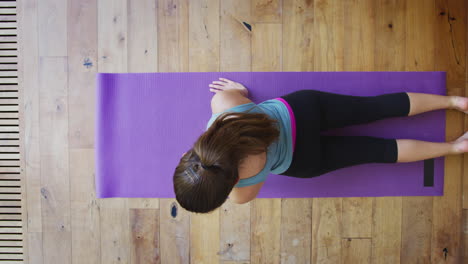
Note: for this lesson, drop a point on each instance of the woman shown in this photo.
(244, 142)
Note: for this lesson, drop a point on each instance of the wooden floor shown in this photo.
(64, 43)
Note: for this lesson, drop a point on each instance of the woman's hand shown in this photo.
(225, 84)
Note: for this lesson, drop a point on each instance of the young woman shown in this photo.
(244, 142)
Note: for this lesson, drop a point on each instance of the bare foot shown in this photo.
(460, 103)
(460, 145)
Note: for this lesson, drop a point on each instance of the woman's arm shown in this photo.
(227, 97)
(225, 84)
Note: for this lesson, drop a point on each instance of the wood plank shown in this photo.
(266, 11)
(52, 27)
(417, 211)
(266, 47)
(464, 244)
(450, 45)
(86, 232)
(56, 246)
(359, 28)
(266, 213)
(326, 230)
(204, 36)
(356, 250)
(296, 230)
(142, 57)
(82, 67)
(357, 217)
(114, 227)
(112, 50)
(387, 211)
(390, 35)
(450, 39)
(112, 36)
(204, 56)
(174, 232)
(416, 223)
(235, 231)
(265, 230)
(297, 55)
(235, 50)
(173, 42)
(173, 28)
(328, 35)
(297, 42)
(143, 203)
(144, 227)
(465, 158)
(142, 34)
(85, 224)
(235, 56)
(53, 130)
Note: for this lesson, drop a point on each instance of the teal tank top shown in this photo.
(280, 152)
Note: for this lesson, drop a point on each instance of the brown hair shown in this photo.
(208, 172)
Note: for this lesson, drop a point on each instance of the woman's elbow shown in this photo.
(241, 200)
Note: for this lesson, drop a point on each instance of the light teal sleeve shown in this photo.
(260, 177)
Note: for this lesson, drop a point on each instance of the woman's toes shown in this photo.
(460, 103)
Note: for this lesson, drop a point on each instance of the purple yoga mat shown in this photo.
(146, 121)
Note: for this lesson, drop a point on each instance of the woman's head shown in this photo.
(207, 173)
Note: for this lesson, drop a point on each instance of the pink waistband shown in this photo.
(293, 120)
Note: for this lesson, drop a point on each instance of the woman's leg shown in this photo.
(421, 102)
(414, 150)
(344, 151)
(338, 110)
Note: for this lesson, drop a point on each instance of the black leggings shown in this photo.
(315, 111)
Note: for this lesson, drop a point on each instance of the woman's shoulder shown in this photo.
(252, 165)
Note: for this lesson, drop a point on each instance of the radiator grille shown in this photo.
(11, 230)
